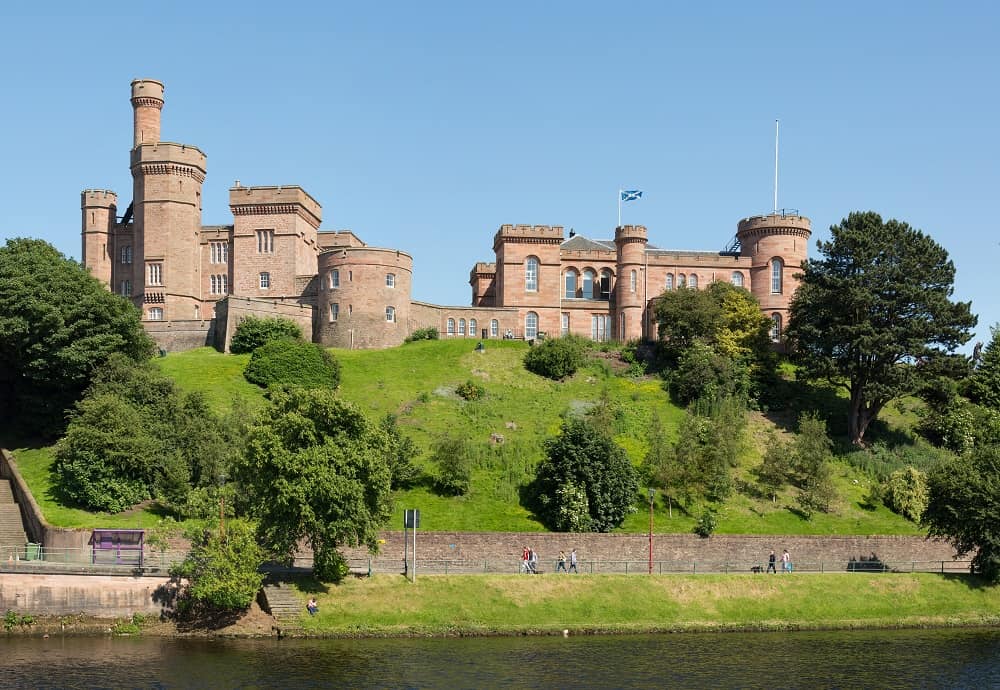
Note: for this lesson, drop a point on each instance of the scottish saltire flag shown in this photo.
(631, 194)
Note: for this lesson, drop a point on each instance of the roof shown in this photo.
(579, 243)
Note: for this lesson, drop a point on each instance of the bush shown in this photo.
(292, 362)
(222, 572)
(556, 359)
(454, 467)
(252, 332)
(470, 390)
(429, 333)
(706, 524)
(906, 493)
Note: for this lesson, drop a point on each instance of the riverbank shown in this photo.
(385, 606)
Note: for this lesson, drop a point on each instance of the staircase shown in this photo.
(284, 605)
(12, 536)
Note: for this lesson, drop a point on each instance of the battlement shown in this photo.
(781, 221)
(631, 233)
(100, 198)
(484, 268)
(330, 239)
(169, 152)
(271, 200)
(147, 90)
(528, 234)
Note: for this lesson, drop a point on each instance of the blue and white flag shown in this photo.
(631, 194)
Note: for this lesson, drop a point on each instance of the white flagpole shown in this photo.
(775, 166)
(619, 209)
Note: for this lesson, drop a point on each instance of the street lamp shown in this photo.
(652, 495)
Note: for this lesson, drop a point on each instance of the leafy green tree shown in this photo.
(659, 467)
(252, 332)
(874, 307)
(222, 569)
(703, 373)
(584, 457)
(776, 467)
(983, 386)
(402, 451)
(963, 506)
(292, 363)
(454, 466)
(811, 467)
(57, 325)
(316, 469)
(905, 492)
(685, 316)
(557, 358)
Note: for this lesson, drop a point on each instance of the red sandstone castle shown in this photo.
(193, 283)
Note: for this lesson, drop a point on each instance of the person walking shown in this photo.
(533, 561)
(786, 561)
(525, 560)
(770, 563)
(572, 562)
(562, 562)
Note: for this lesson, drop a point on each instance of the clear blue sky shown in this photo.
(425, 126)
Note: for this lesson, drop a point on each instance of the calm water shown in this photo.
(900, 659)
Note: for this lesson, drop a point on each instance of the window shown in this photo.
(265, 280)
(737, 279)
(693, 281)
(265, 241)
(670, 281)
(776, 267)
(775, 327)
(390, 280)
(600, 325)
(632, 281)
(621, 327)
(472, 327)
(570, 284)
(494, 328)
(334, 311)
(588, 284)
(531, 274)
(127, 255)
(125, 289)
(605, 284)
(461, 326)
(390, 314)
(219, 284)
(334, 279)
(531, 325)
(680, 280)
(154, 273)
(156, 314)
(565, 324)
(451, 326)
(219, 252)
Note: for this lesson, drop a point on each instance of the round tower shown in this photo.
(777, 244)
(364, 297)
(147, 102)
(99, 213)
(630, 297)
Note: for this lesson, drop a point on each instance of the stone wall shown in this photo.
(180, 335)
(101, 596)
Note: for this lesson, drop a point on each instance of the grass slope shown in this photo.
(487, 604)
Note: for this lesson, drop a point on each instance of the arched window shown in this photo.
(693, 281)
(680, 280)
(461, 326)
(472, 327)
(737, 279)
(775, 327)
(570, 284)
(632, 281)
(605, 284)
(494, 328)
(390, 314)
(531, 325)
(588, 284)
(670, 281)
(531, 274)
(776, 271)
(451, 326)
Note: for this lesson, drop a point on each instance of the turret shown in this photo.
(98, 208)
(147, 102)
(630, 297)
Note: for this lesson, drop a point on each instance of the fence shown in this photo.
(43, 559)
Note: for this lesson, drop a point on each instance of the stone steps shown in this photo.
(284, 604)
(11, 527)
(6, 494)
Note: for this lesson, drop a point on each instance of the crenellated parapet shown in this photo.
(773, 224)
(168, 158)
(280, 200)
(528, 234)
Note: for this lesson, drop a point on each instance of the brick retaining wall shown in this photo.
(100, 596)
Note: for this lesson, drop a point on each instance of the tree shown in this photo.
(872, 310)
(811, 465)
(582, 457)
(57, 325)
(317, 469)
(557, 358)
(454, 466)
(402, 451)
(983, 385)
(776, 467)
(905, 492)
(685, 316)
(659, 467)
(963, 506)
(252, 332)
(222, 570)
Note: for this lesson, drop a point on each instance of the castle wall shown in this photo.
(178, 335)
(424, 315)
(233, 309)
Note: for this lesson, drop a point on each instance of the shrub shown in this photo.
(454, 467)
(905, 492)
(429, 333)
(222, 572)
(470, 390)
(706, 524)
(292, 362)
(252, 332)
(555, 359)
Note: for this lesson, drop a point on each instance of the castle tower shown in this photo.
(630, 297)
(777, 244)
(98, 208)
(528, 275)
(147, 102)
(166, 179)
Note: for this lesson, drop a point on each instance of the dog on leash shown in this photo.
(755, 569)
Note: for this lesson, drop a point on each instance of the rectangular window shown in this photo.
(219, 252)
(156, 314)
(126, 255)
(565, 324)
(494, 328)
(219, 284)
(126, 288)
(265, 241)
(334, 279)
(390, 280)
(154, 274)
(600, 325)
(334, 311)
(265, 281)
(390, 314)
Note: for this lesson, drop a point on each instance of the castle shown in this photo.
(193, 283)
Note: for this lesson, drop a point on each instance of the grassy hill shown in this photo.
(417, 382)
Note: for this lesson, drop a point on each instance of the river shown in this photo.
(956, 658)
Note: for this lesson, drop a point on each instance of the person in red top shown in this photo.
(525, 557)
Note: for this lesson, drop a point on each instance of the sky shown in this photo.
(425, 126)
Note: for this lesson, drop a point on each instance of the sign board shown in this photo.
(411, 519)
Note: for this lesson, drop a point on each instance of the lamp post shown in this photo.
(652, 495)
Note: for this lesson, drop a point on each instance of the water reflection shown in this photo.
(896, 659)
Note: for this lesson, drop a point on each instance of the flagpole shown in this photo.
(775, 166)
(619, 209)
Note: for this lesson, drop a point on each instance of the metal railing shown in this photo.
(44, 559)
